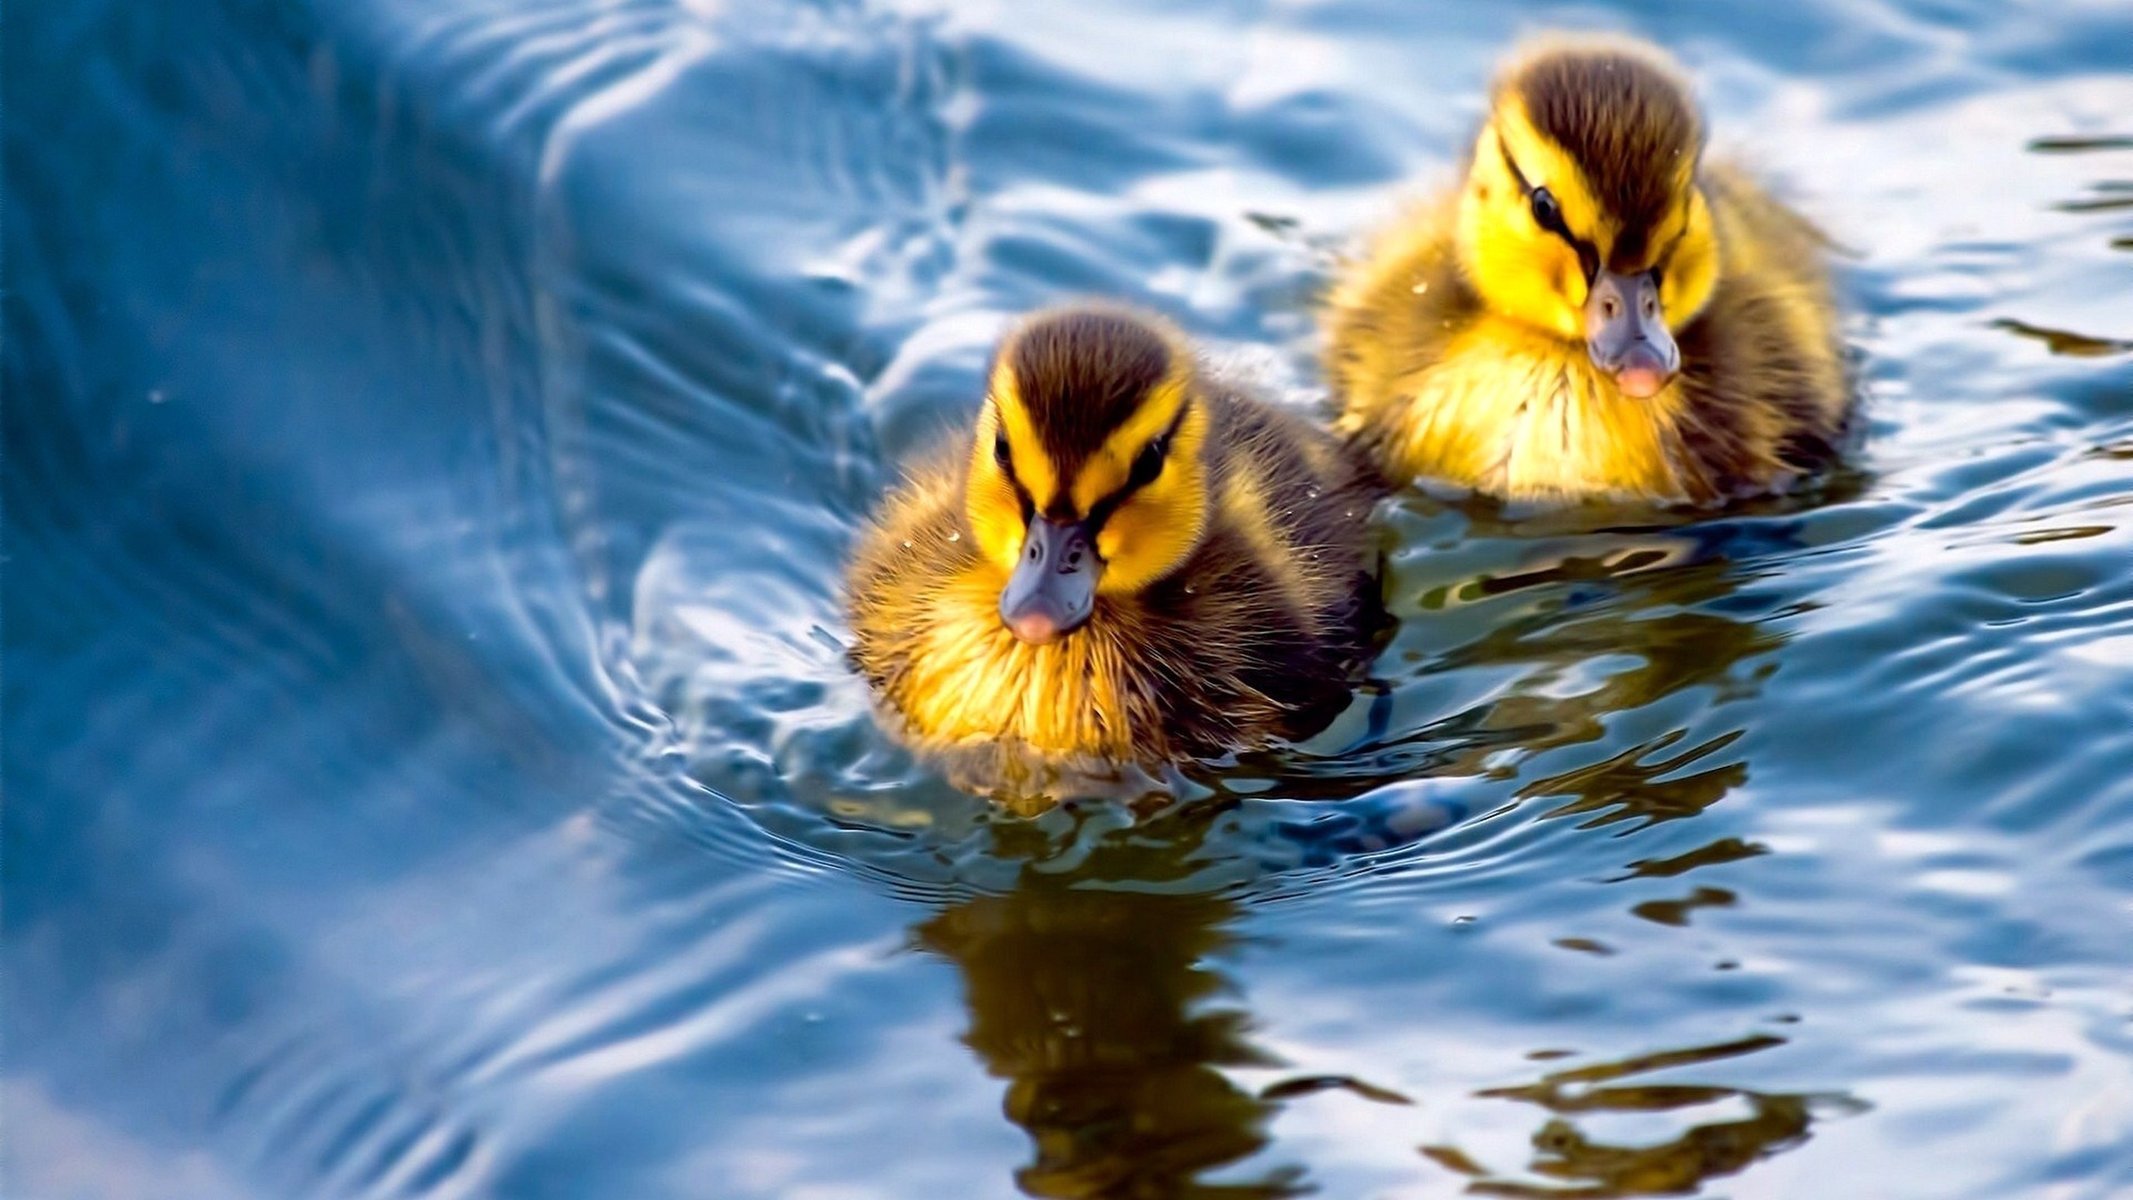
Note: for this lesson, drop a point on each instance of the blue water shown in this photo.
(432, 432)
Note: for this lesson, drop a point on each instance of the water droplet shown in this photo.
(907, 543)
(1420, 288)
(955, 535)
(1463, 920)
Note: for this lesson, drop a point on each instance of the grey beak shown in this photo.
(1053, 589)
(1626, 333)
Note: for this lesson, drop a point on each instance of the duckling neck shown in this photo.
(1520, 412)
(971, 679)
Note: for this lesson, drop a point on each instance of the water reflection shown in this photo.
(1588, 1167)
(1633, 785)
(1659, 617)
(2066, 341)
(1110, 1019)
(1601, 625)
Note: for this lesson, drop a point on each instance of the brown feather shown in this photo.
(1081, 372)
(1627, 120)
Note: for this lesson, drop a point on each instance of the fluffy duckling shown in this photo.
(1129, 561)
(1595, 312)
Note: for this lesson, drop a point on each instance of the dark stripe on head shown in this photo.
(1630, 125)
(1146, 467)
(1004, 458)
(1080, 374)
(1550, 217)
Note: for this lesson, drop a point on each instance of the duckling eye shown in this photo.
(1546, 212)
(1549, 216)
(1148, 464)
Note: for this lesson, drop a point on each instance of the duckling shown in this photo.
(1595, 312)
(1128, 562)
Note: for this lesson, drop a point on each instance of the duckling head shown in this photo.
(1086, 478)
(1582, 215)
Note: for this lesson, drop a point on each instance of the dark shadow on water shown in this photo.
(2065, 341)
(1602, 635)
(1664, 626)
(1581, 1166)
(1644, 783)
(1109, 1017)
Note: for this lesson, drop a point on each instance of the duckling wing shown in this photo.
(1768, 394)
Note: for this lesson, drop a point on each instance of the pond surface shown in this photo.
(433, 429)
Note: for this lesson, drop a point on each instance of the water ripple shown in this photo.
(433, 435)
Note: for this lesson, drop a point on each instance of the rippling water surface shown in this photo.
(432, 433)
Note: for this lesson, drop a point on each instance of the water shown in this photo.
(432, 433)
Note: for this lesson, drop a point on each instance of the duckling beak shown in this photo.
(1053, 588)
(1626, 333)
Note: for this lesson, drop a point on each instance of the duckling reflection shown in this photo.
(1776, 1122)
(1604, 634)
(1103, 1013)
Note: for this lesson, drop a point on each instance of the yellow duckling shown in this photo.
(1595, 312)
(1130, 562)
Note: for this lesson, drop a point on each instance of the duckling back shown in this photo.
(1768, 394)
(1277, 610)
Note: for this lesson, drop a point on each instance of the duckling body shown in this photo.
(1233, 605)
(1484, 339)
